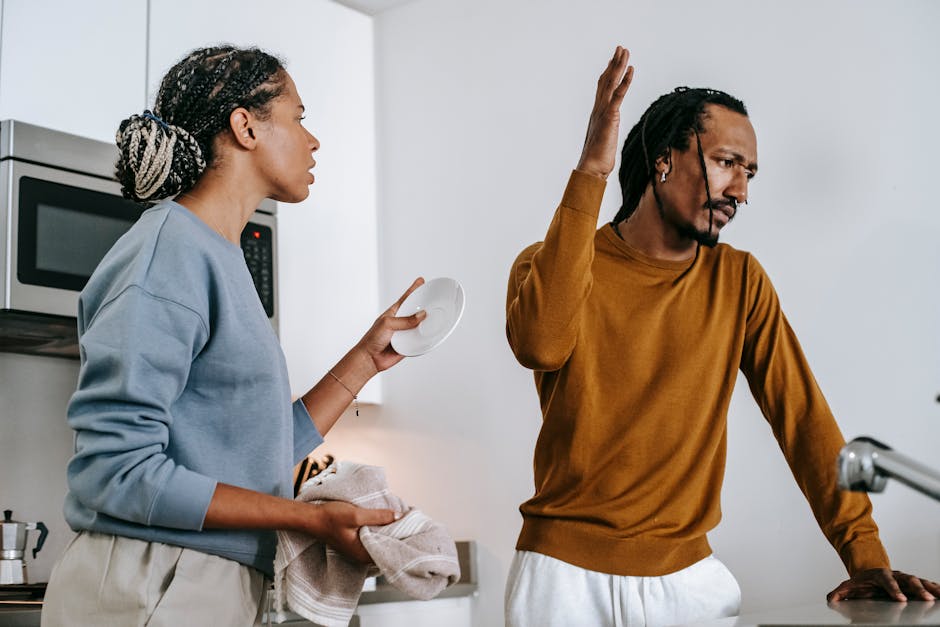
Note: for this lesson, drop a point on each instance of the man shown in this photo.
(635, 332)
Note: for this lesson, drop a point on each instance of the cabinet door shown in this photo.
(78, 67)
(453, 612)
(328, 255)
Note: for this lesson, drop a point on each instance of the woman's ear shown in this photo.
(241, 123)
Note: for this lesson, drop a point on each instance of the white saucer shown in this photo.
(443, 299)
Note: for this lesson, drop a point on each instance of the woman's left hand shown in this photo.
(376, 343)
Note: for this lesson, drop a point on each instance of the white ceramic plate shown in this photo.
(443, 299)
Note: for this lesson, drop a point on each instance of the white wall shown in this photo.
(35, 446)
(72, 66)
(482, 107)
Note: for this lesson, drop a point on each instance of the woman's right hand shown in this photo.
(337, 524)
(376, 343)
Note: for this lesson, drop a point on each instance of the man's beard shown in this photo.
(702, 237)
(687, 230)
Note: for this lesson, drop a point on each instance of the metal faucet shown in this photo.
(865, 464)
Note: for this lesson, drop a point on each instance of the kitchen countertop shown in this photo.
(843, 613)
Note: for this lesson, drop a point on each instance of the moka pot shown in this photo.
(13, 547)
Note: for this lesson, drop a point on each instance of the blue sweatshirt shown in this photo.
(182, 385)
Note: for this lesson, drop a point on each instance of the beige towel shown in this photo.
(415, 554)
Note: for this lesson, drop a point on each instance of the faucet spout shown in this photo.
(865, 465)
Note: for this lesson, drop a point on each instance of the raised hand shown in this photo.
(377, 340)
(600, 144)
(326, 401)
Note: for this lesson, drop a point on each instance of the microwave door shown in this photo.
(61, 225)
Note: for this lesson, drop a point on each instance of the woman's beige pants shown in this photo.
(103, 580)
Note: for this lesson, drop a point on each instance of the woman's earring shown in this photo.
(662, 179)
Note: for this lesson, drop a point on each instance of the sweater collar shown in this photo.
(629, 251)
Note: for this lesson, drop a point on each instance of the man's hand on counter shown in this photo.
(882, 583)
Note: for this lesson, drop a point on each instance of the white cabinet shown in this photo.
(74, 66)
(328, 255)
(453, 612)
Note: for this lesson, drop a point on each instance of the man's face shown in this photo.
(729, 147)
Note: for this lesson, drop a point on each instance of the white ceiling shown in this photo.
(371, 7)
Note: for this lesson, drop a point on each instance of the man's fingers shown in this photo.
(886, 580)
(625, 82)
(851, 589)
(855, 593)
(617, 98)
(611, 77)
(617, 68)
(614, 69)
(932, 587)
(839, 594)
(620, 66)
(615, 91)
(604, 78)
(611, 87)
(918, 590)
(913, 586)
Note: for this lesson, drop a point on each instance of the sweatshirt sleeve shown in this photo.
(789, 397)
(137, 353)
(306, 436)
(550, 281)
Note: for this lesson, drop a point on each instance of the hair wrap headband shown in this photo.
(150, 116)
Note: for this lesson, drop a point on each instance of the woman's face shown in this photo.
(285, 150)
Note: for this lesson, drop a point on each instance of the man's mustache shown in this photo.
(727, 206)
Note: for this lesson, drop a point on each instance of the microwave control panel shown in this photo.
(258, 246)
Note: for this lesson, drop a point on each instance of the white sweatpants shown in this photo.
(542, 591)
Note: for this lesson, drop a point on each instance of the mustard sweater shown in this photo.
(635, 360)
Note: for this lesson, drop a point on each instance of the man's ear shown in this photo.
(664, 162)
(242, 124)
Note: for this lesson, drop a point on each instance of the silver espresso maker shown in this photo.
(13, 546)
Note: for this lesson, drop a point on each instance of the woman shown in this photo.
(185, 432)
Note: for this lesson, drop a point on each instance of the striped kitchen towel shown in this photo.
(415, 554)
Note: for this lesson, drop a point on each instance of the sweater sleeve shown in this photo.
(789, 397)
(137, 353)
(306, 436)
(550, 281)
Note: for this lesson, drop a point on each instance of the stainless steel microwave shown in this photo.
(61, 210)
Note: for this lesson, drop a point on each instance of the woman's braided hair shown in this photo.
(164, 153)
(668, 123)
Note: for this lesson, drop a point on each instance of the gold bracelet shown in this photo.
(346, 387)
